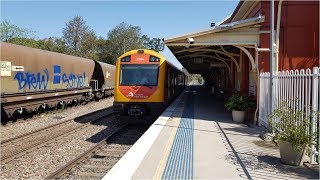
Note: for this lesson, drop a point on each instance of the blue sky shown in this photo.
(161, 19)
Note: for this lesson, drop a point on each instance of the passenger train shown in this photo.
(34, 80)
(145, 84)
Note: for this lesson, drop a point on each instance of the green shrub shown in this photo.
(292, 126)
(239, 103)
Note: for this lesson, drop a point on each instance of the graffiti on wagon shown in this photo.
(70, 80)
(38, 80)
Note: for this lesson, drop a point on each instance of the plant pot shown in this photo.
(238, 116)
(288, 155)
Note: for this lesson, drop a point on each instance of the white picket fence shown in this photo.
(298, 86)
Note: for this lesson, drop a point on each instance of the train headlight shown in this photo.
(126, 59)
(154, 59)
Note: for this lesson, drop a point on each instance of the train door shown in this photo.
(166, 87)
(168, 84)
(174, 84)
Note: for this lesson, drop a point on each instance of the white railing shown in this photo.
(294, 86)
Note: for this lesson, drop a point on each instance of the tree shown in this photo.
(24, 42)
(154, 43)
(102, 50)
(60, 46)
(123, 38)
(54, 44)
(50, 44)
(9, 31)
(77, 34)
(88, 46)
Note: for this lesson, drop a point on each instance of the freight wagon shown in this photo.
(34, 79)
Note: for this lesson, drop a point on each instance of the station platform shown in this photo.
(195, 138)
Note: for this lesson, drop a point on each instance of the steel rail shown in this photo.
(19, 153)
(58, 173)
(53, 125)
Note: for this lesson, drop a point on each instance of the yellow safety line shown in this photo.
(163, 161)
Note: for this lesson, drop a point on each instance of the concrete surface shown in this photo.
(222, 149)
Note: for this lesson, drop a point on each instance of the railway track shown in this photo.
(81, 118)
(98, 160)
(15, 147)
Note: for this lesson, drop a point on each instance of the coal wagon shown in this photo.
(34, 79)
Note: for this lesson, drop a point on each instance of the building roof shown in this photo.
(237, 25)
(242, 10)
(198, 51)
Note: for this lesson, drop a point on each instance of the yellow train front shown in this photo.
(145, 84)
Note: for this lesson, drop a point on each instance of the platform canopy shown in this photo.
(217, 46)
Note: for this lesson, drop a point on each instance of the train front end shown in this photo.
(139, 87)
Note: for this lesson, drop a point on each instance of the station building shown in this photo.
(231, 54)
(194, 137)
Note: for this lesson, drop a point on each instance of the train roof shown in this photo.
(49, 52)
(155, 53)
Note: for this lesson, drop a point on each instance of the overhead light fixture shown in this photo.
(190, 40)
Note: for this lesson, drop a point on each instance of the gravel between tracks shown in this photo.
(39, 163)
(38, 122)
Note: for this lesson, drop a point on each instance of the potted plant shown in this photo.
(292, 132)
(238, 105)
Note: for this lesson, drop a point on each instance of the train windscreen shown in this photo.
(137, 74)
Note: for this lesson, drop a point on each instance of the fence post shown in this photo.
(315, 99)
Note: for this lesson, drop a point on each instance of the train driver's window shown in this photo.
(145, 80)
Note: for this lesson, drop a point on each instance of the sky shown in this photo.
(159, 19)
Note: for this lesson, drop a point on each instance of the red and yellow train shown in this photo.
(145, 83)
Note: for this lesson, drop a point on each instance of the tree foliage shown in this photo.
(123, 38)
(88, 46)
(50, 44)
(9, 31)
(78, 36)
(155, 44)
(80, 40)
(102, 50)
(24, 42)
(53, 44)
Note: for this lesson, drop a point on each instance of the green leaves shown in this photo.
(9, 31)
(154, 43)
(80, 40)
(24, 41)
(293, 126)
(125, 37)
(239, 103)
(79, 37)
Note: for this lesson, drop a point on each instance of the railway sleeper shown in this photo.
(87, 166)
(94, 169)
(90, 174)
(108, 156)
